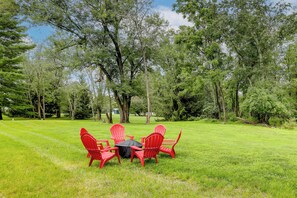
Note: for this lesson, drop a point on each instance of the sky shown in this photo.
(39, 34)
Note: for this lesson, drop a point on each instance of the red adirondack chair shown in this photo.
(168, 142)
(99, 142)
(103, 156)
(160, 128)
(118, 133)
(151, 149)
(83, 131)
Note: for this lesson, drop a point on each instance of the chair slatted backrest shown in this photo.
(152, 145)
(83, 131)
(160, 129)
(91, 145)
(118, 133)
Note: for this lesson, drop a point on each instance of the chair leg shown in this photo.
(102, 163)
(91, 161)
(132, 155)
(142, 161)
(118, 156)
(88, 155)
(156, 159)
(172, 153)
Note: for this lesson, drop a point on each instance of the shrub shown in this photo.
(291, 124)
(191, 118)
(264, 103)
(276, 121)
(232, 117)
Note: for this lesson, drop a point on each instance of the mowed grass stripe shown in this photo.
(53, 140)
(25, 173)
(65, 165)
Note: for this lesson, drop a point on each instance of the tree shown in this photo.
(238, 43)
(12, 47)
(97, 87)
(177, 88)
(83, 110)
(148, 28)
(105, 31)
(205, 39)
(258, 29)
(290, 75)
(43, 79)
(38, 78)
(265, 100)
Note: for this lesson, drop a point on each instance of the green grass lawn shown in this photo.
(45, 158)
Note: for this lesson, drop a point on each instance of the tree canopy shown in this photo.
(236, 61)
(12, 48)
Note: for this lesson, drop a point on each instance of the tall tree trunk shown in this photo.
(99, 112)
(74, 109)
(124, 107)
(223, 102)
(149, 109)
(58, 112)
(125, 110)
(73, 112)
(1, 118)
(217, 99)
(43, 107)
(93, 109)
(39, 106)
(110, 108)
(31, 103)
(236, 110)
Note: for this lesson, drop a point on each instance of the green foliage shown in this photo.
(263, 103)
(109, 35)
(232, 117)
(83, 109)
(76, 100)
(290, 124)
(138, 106)
(12, 47)
(229, 63)
(276, 121)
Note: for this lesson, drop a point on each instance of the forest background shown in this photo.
(233, 60)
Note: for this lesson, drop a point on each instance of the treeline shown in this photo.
(238, 60)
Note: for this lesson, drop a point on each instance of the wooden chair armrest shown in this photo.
(135, 148)
(106, 141)
(110, 149)
(103, 140)
(131, 137)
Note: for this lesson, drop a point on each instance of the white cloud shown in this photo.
(293, 2)
(27, 40)
(175, 20)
